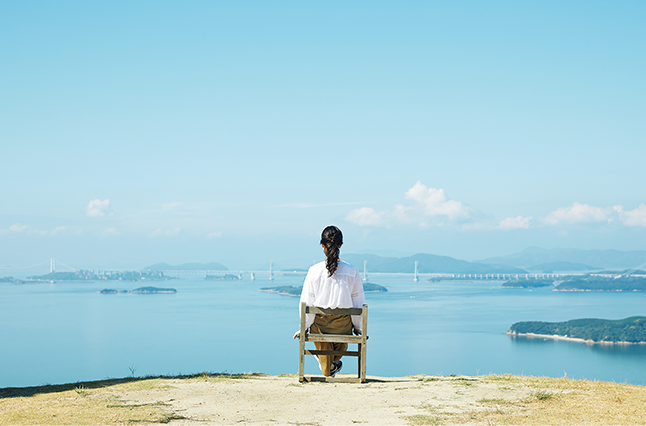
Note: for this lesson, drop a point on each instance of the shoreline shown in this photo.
(571, 339)
(588, 289)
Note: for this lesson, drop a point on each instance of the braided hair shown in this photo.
(331, 238)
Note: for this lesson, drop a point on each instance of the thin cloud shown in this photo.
(214, 235)
(110, 231)
(310, 205)
(517, 222)
(365, 216)
(578, 213)
(167, 233)
(58, 230)
(16, 227)
(97, 208)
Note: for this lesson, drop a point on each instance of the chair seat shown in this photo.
(338, 338)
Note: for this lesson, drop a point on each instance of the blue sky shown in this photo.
(140, 132)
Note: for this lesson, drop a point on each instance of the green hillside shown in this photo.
(602, 283)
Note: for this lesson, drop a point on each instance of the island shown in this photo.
(531, 283)
(225, 277)
(289, 290)
(590, 330)
(140, 290)
(10, 280)
(604, 282)
(88, 275)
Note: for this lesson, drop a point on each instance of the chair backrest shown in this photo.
(337, 311)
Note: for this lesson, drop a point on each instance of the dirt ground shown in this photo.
(256, 399)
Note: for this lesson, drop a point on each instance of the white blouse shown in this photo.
(342, 290)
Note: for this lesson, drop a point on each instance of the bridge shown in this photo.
(415, 274)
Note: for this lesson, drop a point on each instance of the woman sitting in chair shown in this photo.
(332, 284)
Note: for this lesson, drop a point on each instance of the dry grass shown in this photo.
(92, 403)
(551, 401)
(522, 401)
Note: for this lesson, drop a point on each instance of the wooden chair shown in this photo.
(360, 353)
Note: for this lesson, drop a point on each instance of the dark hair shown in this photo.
(331, 238)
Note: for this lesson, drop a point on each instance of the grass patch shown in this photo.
(423, 419)
(94, 402)
(496, 401)
(560, 401)
(542, 395)
(71, 408)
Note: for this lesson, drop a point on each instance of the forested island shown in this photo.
(592, 330)
(225, 277)
(606, 282)
(11, 280)
(87, 275)
(528, 283)
(142, 290)
(290, 290)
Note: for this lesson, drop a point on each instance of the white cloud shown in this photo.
(16, 227)
(476, 226)
(429, 202)
(517, 222)
(636, 217)
(435, 202)
(578, 213)
(365, 216)
(168, 233)
(214, 235)
(97, 208)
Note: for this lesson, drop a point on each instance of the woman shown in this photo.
(332, 284)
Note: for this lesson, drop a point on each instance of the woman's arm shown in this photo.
(358, 300)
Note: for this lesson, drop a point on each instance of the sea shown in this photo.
(67, 332)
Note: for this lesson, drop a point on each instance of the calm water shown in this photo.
(67, 332)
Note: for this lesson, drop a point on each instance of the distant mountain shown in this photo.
(560, 267)
(213, 266)
(597, 258)
(427, 263)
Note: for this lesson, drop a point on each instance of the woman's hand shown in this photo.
(356, 331)
(297, 335)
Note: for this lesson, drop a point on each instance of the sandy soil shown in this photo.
(283, 400)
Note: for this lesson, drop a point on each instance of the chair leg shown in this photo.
(362, 362)
(359, 363)
(301, 360)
